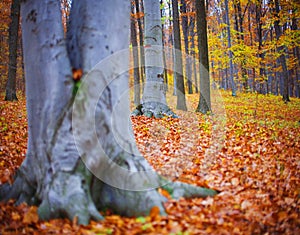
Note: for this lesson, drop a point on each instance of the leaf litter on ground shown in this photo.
(256, 168)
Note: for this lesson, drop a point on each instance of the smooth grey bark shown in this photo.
(233, 87)
(204, 104)
(181, 102)
(58, 173)
(162, 14)
(154, 97)
(10, 92)
(171, 20)
(153, 51)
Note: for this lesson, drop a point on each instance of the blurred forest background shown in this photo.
(253, 45)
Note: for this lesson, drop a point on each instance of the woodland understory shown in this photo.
(257, 171)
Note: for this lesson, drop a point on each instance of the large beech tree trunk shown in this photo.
(81, 155)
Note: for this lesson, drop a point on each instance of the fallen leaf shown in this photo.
(31, 216)
(154, 212)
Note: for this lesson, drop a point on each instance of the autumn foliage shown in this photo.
(256, 170)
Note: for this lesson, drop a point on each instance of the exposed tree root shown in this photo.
(71, 194)
(22, 190)
(129, 203)
(179, 189)
(68, 195)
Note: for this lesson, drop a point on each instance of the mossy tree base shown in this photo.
(153, 109)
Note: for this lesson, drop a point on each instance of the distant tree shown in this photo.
(181, 102)
(10, 94)
(259, 14)
(281, 50)
(231, 78)
(135, 55)
(163, 19)
(239, 19)
(296, 54)
(171, 22)
(69, 118)
(204, 104)
(185, 30)
(154, 97)
(139, 7)
(192, 34)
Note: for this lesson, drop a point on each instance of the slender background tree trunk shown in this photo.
(13, 46)
(204, 100)
(231, 78)
(135, 55)
(185, 29)
(139, 11)
(282, 59)
(181, 102)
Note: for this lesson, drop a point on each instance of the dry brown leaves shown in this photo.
(13, 136)
(257, 171)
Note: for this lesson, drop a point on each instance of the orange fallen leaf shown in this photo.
(282, 215)
(154, 212)
(31, 216)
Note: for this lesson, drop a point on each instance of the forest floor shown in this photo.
(250, 152)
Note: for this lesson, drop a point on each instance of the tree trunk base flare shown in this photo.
(202, 106)
(79, 194)
(21, 190)
(68, 195)
(153, 109)
(286, 99)
(11, 96)
(128, 203)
